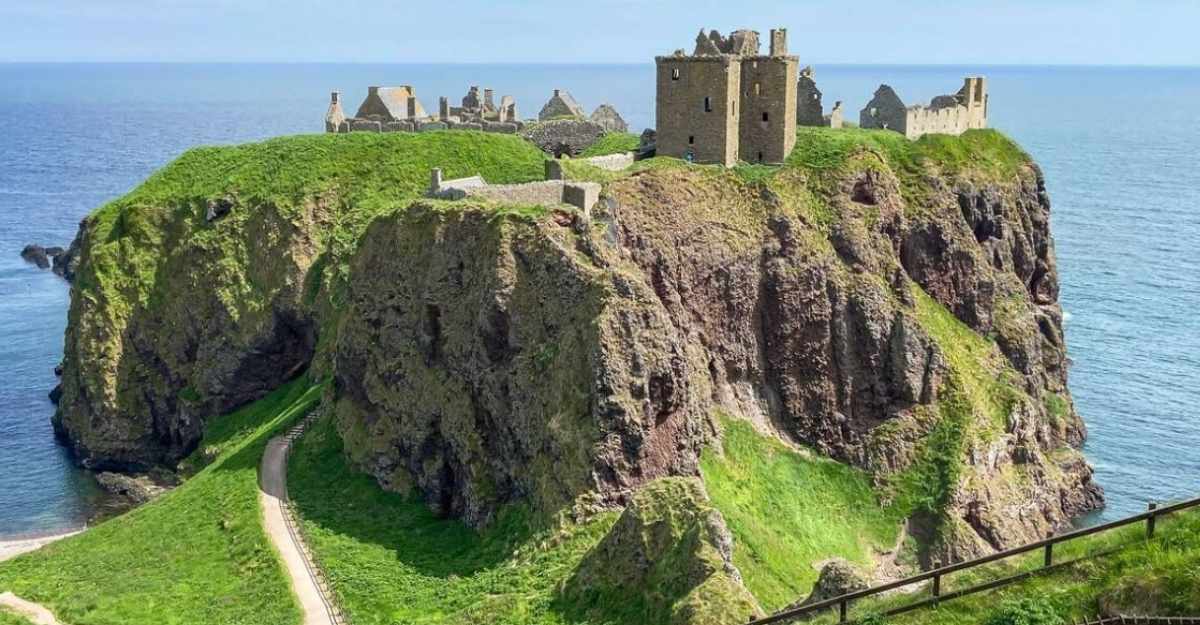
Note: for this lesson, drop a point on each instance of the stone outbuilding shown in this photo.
(608, 117)
(561, 104)
(391, 104)
(946, 114)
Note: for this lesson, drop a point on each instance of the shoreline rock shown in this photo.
(62, 261)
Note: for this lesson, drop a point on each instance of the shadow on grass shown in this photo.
(341, 501)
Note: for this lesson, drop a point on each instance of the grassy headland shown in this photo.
(198, 554)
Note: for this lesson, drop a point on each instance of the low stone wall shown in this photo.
(368, 125)
(611, 162)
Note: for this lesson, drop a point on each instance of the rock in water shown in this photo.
(36, 255)
(138, 489)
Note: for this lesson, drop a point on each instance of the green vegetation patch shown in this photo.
(198, 554)
(612, 143)
(357, 176)
(390, 560)
(9, 618)
(1119, 571)
(786, 507)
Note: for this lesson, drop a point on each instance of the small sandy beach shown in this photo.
(13, 548)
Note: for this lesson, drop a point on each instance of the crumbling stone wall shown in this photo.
(564, 137)
(725, 102)
(809, 110)
(946, 114)
(606, 115)
(560, 104)
(582, 195)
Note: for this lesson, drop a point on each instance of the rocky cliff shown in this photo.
(890, 304)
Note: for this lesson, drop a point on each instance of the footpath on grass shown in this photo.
(312, 592)
(38, 615)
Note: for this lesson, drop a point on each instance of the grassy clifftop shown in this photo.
(884, 311)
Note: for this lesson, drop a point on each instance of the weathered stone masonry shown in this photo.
(726, 102)
(946, 114)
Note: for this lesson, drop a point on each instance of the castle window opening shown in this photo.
(707, 104)
(675, 74)
(766, 116)
(760, 157)
(757, 89)
(691, 139)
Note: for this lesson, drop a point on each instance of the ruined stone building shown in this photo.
(946, 114)
(560, 104)
(726, 102)
(809, 110)
(396, 109)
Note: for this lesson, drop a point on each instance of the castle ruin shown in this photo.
(946, 114)
(396, 109)
(726, 102)
(809, 110)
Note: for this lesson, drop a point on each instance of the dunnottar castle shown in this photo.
(724, 103)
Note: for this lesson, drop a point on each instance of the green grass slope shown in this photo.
(363, 173)
(789, 510)
(1116, 572)
(390, 560)
(8, 618)
(195, 555)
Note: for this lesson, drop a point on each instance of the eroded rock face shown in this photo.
(495, 364)
(838, 577)
(140, 375)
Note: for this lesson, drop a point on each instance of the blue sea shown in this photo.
(1118, 146)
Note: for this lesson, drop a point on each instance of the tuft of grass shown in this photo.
(390, 560)
(612, 143)
(785, 507)
(198, 554)
(8, 618)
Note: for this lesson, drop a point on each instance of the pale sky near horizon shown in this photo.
(1087, 32)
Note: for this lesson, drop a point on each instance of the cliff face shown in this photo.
(890, 304)
(902, 320)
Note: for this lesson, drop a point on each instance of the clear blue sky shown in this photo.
(1150, 32)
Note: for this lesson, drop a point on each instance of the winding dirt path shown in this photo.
(36, 614)
(278, 522)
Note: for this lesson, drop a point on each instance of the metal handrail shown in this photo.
(1047, 544)
(330, 599)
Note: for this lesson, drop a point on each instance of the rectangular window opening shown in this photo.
(675, 74)
(766, 117)
(691, 139)
(707, 104)
(757, 89)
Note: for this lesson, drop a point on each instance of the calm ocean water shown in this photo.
(1118, 147)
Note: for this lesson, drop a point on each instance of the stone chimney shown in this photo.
(443, 108)
(489, 103)
(334, 117)
(779, 42)
(435, 180)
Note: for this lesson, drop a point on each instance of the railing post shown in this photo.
(937, 585)
(1049, 551)
(1150, 520)
(842, 609)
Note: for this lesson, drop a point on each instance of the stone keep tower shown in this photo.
(726, 102)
